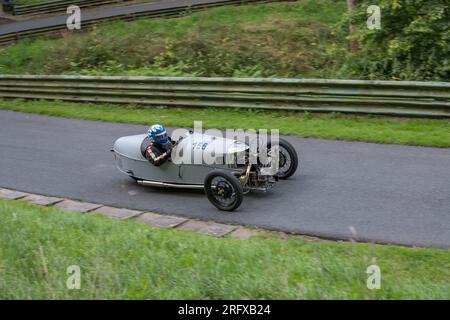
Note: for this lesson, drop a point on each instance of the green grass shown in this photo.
(129, 260)
(290, 39)
(419, 132)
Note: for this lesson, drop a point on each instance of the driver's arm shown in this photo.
(156, 160)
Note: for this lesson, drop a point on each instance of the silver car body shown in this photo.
(174, 173)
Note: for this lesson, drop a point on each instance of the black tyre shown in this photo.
(223, 190)
(288, 159)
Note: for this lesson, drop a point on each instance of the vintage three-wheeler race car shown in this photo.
(225, 181)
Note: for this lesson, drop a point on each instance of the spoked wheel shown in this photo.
(287, 157)
(223, 190)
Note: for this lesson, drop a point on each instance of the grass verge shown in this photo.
(128, 260)
(418, 132)
(284, 39)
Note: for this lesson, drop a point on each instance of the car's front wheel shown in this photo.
(288, 159)
(223, 190)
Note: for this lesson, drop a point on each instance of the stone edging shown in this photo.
(153, 219)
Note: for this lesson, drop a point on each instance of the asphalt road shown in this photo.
(103, 12)
(386, 193)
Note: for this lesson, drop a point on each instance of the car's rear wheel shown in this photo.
(223, 190)
(288, 159)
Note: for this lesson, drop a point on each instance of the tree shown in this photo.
(412, 44)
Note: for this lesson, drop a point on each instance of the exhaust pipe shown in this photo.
(169, 185)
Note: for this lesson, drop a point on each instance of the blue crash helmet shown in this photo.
(157, 133)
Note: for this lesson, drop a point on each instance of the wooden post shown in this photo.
(352, 7)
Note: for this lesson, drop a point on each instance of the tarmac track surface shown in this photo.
(386, 193)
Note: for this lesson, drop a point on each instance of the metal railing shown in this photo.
(56, 6)
(170, 12)
(400, 98)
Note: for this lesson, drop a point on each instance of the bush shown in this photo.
(279, 39)
(413, 43)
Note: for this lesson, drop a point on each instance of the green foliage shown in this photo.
(302, 39)
(129, 260)
(279, 39)
(413, 43)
